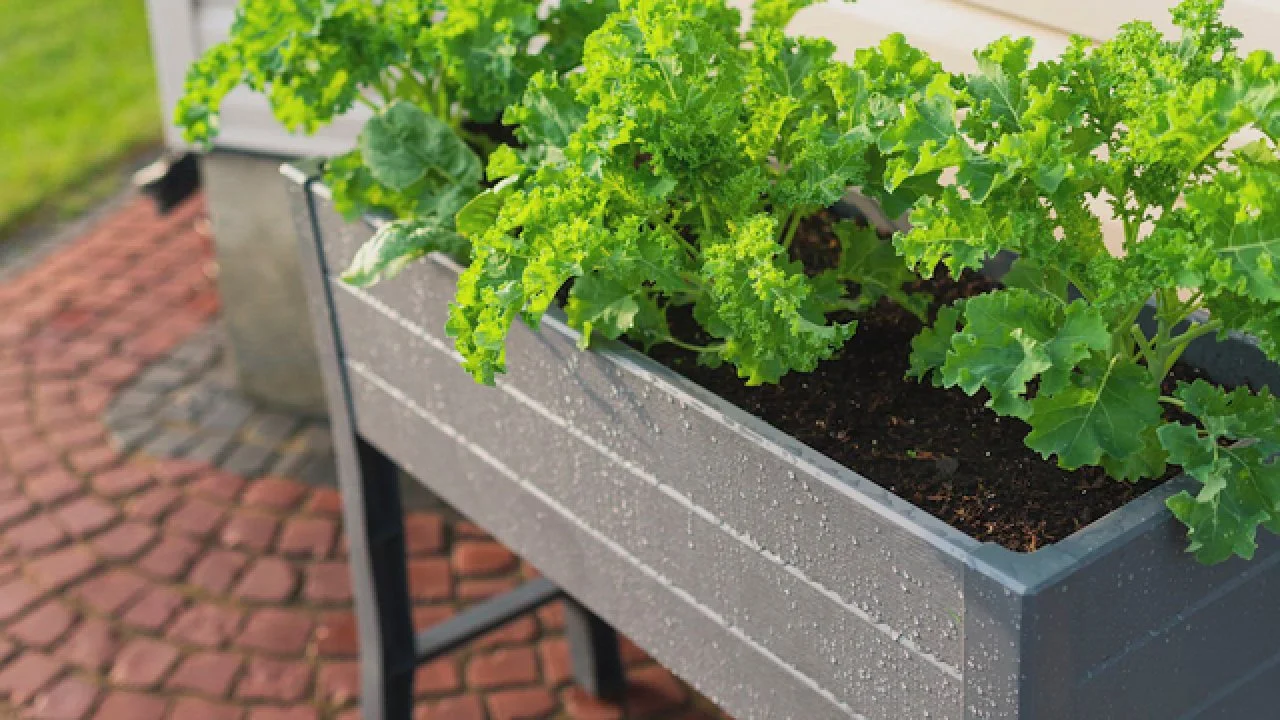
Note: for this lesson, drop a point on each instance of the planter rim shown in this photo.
(1025, 573)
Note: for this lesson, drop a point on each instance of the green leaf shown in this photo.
(398, 243)
(1000, 85)
(1218, 529)
(405, 144)
(548, 113)
(1035, 276)
(503, 163)
(765, 311)
(951, 230)
(1241, 490)
(1000, 349)
(870, 261)
(1232, 454)
(1150, 462)
(924, 141)
(1011, 337)
(481, 213)
(1104, 410)
(777, 13)
(488, 300)
(601, 305)
(929, 348)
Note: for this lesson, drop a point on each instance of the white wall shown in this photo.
(948, 29)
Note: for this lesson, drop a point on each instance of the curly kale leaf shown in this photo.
(312, 59)
(777, 14)
(428, 69)
(1008, 339)
(770, 317)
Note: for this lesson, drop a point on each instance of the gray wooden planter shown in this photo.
(776, 581)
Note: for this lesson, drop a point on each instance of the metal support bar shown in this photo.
(593, 645)
(480, 619)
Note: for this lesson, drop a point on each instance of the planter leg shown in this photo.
(593, 645)
(385, 619)
(371, 510)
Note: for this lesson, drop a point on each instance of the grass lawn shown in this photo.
(77, 96)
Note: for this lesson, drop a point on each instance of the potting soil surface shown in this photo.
(941, 449)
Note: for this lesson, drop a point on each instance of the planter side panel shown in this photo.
(822, 640)
(639, 602)
(1141, 630)
(575, 455)
(785, 498)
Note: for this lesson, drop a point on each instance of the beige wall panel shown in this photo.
(1259, 19)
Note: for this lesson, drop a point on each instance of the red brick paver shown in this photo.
(142, 588)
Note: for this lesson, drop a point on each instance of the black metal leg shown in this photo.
(484, 617)
(389, 586)
(593, 645)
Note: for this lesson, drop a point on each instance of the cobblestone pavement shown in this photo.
(185, 405)
(169, 551)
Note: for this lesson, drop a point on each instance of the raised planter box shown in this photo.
(774, 580)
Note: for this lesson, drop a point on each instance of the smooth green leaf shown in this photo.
(481, 213)
(870, 261)
(1103, 411)
(405, 144)
(929, 348)
(602, 305)
(398, 243)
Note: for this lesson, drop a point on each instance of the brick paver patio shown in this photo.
(139, 587)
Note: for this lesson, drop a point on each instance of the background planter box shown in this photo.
(776, 581)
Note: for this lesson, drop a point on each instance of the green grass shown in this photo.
(77, 97)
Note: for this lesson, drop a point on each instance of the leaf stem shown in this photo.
(660, 222)
(1183, 341)
(1143, 343)
(706, 216)
(477, 140)
(856, 305)
(380, 86)
(1161, 344)
(793, 224)
(690, 346)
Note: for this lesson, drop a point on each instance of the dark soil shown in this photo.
(940, 449)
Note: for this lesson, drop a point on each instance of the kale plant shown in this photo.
(430, 70)
(1174, 138)
(674, 173)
